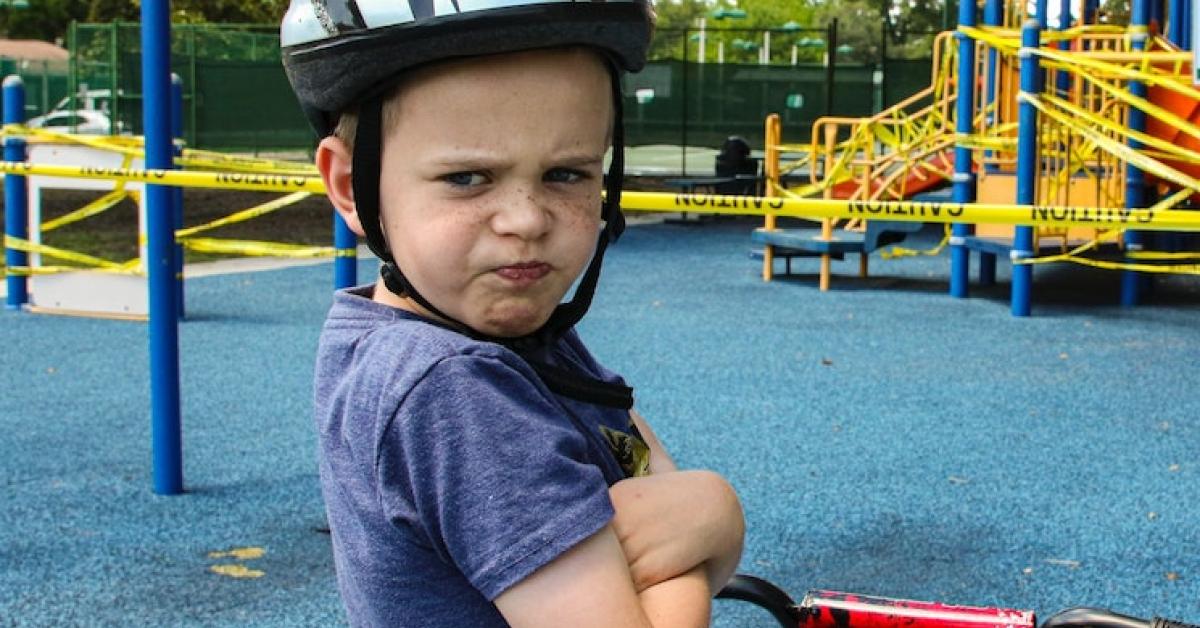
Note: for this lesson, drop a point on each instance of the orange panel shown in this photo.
(1184, 107)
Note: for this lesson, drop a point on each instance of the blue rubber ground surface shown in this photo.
(885, 438)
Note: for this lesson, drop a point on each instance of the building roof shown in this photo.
(32, 50)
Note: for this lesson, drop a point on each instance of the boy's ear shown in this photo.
(335, 162)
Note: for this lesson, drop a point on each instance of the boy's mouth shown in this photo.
(524, 273)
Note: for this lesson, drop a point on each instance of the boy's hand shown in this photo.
(671, 523)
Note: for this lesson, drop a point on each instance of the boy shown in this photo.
(479, 467)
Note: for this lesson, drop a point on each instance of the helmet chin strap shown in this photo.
(365, 175)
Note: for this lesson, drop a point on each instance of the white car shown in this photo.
(81, 121)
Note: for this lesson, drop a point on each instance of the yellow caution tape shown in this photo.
(897, 252)
(100, 205)
(1173, 269)
(179, 178)
(19, 244)
(1161, 255)
(1145, 105)
(1144, 219)
(918, 211)
(245, 214)
(256, 248)
(33, 271)
(223, 161)
(1119, 149)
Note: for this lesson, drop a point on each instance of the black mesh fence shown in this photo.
(236, 97)
(235, 94)
(45, 83)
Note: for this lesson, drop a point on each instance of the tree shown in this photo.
(48, 19)
(673, 19)
(909, 25)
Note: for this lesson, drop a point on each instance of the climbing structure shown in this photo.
(1115, 123)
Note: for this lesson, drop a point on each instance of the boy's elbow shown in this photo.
(723, 496)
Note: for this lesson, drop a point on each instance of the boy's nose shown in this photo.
(522, 214)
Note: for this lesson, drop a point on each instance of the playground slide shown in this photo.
(1184, 107)
(923, 177)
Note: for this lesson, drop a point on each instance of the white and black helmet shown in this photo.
(343, 55)
(337, 52)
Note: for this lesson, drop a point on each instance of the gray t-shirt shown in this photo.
(450, 472)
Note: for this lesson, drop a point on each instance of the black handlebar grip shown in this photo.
(1159, 622)
(765, 595)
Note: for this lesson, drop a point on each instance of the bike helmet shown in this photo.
(342, 55)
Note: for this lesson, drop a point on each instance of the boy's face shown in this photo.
(490, 184)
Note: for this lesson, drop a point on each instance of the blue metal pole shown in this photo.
(1027, 166)
(1135, 180)
(1089, 11)
(1042, 8)
(964, 177)
(16, 193)
(166, 432)
(1062, 82)
(993, 15)
(1190, 33)
(177, 193)
(345, 266)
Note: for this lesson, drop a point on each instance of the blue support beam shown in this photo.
(166, 430)
(345, 266)
(16, 194)
(964, 176)
(1062, 83)
(1135, 179)
(1027, 165)
(177, 193)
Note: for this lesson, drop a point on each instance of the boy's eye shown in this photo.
(465, 179)
(564, 175)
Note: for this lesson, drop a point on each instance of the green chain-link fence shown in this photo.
(237, 98)
(45, 83)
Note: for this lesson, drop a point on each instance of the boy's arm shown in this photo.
(671, 523)
(590, 586)
(660, 460)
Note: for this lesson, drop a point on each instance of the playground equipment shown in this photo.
(83, 284)
(160, 254)
(831, 609)
(1113, 124)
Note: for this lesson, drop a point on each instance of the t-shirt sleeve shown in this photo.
(490, 471)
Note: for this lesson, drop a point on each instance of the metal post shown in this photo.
(114, 76)
(830, 64)
(177, 193)
(683, 120)
(345, 265)
(964, 177)
(1062, 81)
(993, 15)
(1190, 35)
(1042, 7)
(166, 432)
(1135, 179)
(1027, 165)
(1089, 11)
(16, 193)
(884, 35)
